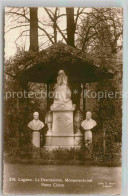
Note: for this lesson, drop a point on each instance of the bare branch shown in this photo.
(21, 34)
(16, 27)
(49, 11)
(56, 25)
(44, 43)
(45, 24)
(61, 15)
(18, 14)
(46, 34)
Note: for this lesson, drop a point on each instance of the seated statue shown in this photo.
(62, 94)
(36, 125)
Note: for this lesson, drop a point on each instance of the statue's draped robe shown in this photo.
(62, 91)
(36, 126)
(62, 79)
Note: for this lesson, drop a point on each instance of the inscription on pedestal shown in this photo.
(63, 119)
(63, 122)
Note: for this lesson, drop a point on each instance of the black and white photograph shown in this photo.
(63, 73)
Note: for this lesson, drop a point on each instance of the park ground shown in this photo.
(100, 180)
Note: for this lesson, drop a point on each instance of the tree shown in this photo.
(33, 29)
(50, 29)
(100, 35)
(70, 26)
(101, 30)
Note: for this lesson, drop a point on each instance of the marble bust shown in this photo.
(88, 124)
(36, 125)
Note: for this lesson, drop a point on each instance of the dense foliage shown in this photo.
(101, 33)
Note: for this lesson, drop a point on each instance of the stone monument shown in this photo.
(60, 117)
(36, 125)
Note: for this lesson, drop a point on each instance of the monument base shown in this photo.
(50, 148)
(62, 133)
(59, 141)
(63, 141)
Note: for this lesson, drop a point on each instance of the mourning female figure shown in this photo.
(62, 91)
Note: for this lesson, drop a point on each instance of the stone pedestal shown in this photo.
(62, 133)
(88, 137)
(36, 139)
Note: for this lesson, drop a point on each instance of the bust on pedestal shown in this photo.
(36, 125)
(88, 124)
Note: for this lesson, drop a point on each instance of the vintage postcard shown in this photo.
(63, 100)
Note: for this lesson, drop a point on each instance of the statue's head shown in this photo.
(61, 72)
(36, 115)
(62, 78)
(88, 115)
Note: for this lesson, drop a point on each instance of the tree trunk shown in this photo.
(76, 87)
(33, 29)
(70, 26)
(54, 26)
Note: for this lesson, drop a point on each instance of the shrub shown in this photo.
(45, 154)
(13, 147)
(20, 149)
(112, 149)
(63, 154)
